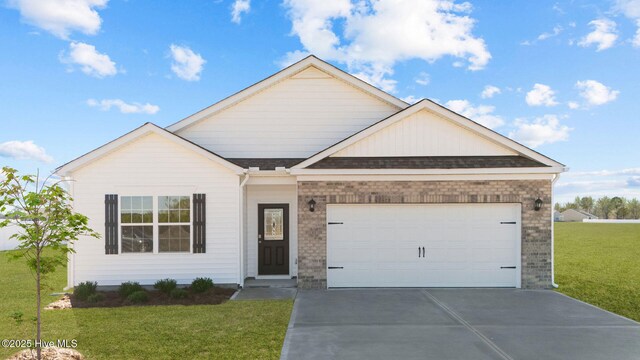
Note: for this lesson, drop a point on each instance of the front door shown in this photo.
(273, 239)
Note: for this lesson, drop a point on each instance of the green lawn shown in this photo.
(600, 264)
(233, 330)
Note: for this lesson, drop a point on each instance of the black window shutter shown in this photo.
(110, 224)
(199, 223)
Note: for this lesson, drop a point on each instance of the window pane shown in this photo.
(147, 217)
(136, 217)
(137, 239)
(185, 202)
(125, 218)
(163, 216)
(174, 216)
(174, 238)
(273, 224)
(136, 202)
(162, 202)
(147, 203)
(184, 216)
(125, 203)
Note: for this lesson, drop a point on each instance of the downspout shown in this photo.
(553, 273)
(241, 225)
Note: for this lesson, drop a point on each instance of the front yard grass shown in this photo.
(600, 264)
(233, 330)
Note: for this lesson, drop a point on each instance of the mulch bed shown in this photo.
(213, 296)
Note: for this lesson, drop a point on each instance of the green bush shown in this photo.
(178, 293)
(200, 285)
(138, 297)
(128, 288)
(84, 290)
(94, 298)
(165, 285)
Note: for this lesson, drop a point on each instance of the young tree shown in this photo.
(586, 204)
(618, 207)
(603, 207)
(47, 221)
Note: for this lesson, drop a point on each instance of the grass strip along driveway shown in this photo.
(600, 264)
(235, 329)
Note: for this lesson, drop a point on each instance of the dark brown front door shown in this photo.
(273, 239)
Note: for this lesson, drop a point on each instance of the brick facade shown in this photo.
(536, 225)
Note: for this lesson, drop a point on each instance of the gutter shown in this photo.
(241, 227)
(553, 272)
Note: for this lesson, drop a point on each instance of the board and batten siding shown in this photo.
(155, 166)
(294, 118)
(423, 134)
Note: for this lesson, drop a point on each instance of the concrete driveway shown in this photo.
(454, 324)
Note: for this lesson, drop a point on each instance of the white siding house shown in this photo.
(287, 179)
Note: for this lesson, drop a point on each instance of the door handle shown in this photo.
(418, 251)
(423, 253)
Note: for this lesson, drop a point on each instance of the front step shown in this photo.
(270, 283)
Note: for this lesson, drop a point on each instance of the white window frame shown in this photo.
(155, 224)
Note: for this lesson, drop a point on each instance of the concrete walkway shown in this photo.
(455, 324)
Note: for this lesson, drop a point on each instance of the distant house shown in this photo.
(576, 215)
(557, 216)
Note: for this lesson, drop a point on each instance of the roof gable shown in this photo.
(293, 71)
(132, 136)
(490, 140)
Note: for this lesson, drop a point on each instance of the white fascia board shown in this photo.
(444, 113)
(280, 76)
(461, 177)
(534, 170)
(143, 130)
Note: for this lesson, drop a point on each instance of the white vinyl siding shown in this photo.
(443, 245)
(294, 118)
(424, 134)
(153, 165)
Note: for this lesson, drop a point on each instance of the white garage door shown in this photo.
(452, 245)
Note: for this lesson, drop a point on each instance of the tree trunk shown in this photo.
(38, 337)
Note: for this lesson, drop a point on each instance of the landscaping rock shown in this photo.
(49, 353)
(63, 303)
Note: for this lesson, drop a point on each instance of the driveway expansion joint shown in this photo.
(464, 323)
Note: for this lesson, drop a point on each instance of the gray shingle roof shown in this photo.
(426, 162)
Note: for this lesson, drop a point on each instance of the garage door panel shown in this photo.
(464, 245)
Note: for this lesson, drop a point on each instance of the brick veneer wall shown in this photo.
(536, 225)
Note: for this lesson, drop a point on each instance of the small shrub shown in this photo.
(179, 293)
(17, 316)
(94, 298)
(165, 285)
(200, 285)
(84, 290)
(128, 288)
(138, 297)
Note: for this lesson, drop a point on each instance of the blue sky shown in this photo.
(562, 77)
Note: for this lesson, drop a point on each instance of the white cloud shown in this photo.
(555, 32)
(542, 130)
(631, 9)
(370, 37)
(573, 105)
(604, 34)
(482, 114)
(626, 172)
(541, 95)
(187, 65)
(411, 99)
(124, 107)
(596, 93)
(423, 79)
(61, 17)
(238, 8)
(489, 91)
(91, 62)
(24, 150)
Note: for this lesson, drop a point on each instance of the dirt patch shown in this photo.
(213, 296)
(62, 303)
(49, 353)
